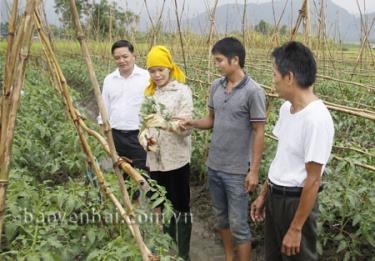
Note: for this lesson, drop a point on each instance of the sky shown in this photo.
(197, 6)
(194, 7)
(352, 7)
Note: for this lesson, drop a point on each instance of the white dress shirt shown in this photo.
(123, 98)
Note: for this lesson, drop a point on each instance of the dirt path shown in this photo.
(205, 244)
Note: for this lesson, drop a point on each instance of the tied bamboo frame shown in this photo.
(346, 110)
(10, 102)
(128, 215)
(17, 54)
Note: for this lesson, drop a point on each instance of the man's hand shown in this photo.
(251, 181)
(257, 211)
(291, 242)
(185, 123)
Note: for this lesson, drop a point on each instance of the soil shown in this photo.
(205, 242)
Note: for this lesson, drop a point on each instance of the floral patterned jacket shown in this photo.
(174, 148)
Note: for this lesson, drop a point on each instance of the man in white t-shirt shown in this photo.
(123, 93)
(288, 200)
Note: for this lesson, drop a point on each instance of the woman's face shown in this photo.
(160, 75)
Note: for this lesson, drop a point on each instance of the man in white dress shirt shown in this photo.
(289, 198)
(123, 95)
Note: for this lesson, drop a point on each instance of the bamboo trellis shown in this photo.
(304, 16)
(331, 107)
(16, 57)
(155, 27)
(266, 67)
(15, 70)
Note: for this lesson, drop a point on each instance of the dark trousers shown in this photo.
(127, 145)
(176, 183)
(280, 210)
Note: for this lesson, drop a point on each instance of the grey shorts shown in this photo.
(231, 203)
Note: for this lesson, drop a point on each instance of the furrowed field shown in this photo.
(51, 188)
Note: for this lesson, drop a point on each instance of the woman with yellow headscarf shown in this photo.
(168, 146)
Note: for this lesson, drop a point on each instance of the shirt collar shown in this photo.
(242, 83)
(171, 86)
(136, 71)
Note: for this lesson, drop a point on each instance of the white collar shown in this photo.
(136, 71)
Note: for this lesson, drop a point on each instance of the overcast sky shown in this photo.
(197, 6)
(194, 7)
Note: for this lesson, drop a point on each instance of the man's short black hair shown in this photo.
(296, 58)
(122, 43)
(230, 47)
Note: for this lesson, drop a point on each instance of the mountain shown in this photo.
(340, 24)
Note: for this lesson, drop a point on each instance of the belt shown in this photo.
(286, 191)
(126, 131)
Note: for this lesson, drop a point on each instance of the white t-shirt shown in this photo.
(305, 136)
(123, 98)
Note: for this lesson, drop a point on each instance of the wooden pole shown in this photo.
(180, 34)
(11, 97)
(155, 26)
(116, 159)
(275, 37)
(243, 23)
(307, 22)
(300, 19)
(210, 36)
(64, 90)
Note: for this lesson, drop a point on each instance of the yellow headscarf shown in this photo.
(160, 56)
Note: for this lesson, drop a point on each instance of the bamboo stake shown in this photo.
(60, 84)
(362, 165)
(180, 34)
(155, 26)
(298, 22)
(11, 32)
(243, 23)
(210, 35)
(369, 88)
(129, 217)
(307, 23)
(12, 26)
(365, 43)
(365, 166)
(13, 50)
(120, 162)
(103, 112)
(116, 159)
(209, 42)
(110, 24)
(354, 149)
(275, 37)
(304, 16)
(12, 102)
(369, 111)
(340, 108)
(275, 34)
